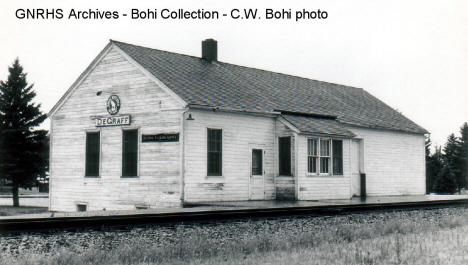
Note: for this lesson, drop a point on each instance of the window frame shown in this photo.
(289, 164)
(327, 157)
(123, 174)
(81, 205)
(334, 156)
(86, 175)
(331, 157)
(261, 151)
(312, 156)
(220, 157)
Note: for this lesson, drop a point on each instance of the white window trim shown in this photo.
(100, 152)
(214, 127)
(138, 153)
(330, 163)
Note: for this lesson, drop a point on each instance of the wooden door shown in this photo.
(257, 175)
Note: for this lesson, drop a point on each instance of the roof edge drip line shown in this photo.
(315, 115)
(216, 109)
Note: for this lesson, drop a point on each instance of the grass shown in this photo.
(426, 241)
(10, 210)
(6, 190)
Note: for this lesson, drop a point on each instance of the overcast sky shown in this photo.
(413, 55)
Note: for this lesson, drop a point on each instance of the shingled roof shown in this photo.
(316, 125)
(200, 82)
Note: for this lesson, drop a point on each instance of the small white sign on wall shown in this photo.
(113, 121)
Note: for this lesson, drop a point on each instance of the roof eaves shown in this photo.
(342, 135)
(418, 131)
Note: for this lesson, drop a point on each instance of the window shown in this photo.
(337, 157)
(92, 154)
(312, 155)
(215, 152)
(81, 207)
(284, 156)
(325, 156)
(130, 153)
(257, 161)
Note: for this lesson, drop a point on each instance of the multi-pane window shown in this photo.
(92, 154)
(325, 156)
(312, 155)
(130, 153)
(214, 152)
(337, 157)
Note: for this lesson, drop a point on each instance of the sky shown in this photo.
(412, 55)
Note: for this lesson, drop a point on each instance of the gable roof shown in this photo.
(200, 82)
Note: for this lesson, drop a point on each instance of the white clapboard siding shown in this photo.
(240, 132)
(394, 162)
(152, 111)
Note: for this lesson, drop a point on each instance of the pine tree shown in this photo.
(436, 163)
(452, 160)
(463, 152)
(21, 147)
(430, 177)
(446, 182)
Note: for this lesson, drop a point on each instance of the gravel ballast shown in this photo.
(219, 232)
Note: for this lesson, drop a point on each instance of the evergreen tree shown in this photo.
(463, 152)
(21, 147)
(452, 160)
(430, 176)
(436, 163)
(446, 182)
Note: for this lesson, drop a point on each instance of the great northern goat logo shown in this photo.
(113, 105)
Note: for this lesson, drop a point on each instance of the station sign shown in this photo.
(113, 121)
(174, 137)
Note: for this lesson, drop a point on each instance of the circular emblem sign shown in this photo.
(113, 105)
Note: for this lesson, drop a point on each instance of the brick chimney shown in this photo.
(210, 50)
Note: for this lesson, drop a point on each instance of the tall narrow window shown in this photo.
(92, 154)
(215, 152)
(130, 153)
(324, 156)
(284, 156)
(337, 157)
(312, 154)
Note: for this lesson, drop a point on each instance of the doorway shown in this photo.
(257, 174)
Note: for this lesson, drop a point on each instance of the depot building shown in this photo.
(145, 128)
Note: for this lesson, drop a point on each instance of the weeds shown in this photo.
(359, 244)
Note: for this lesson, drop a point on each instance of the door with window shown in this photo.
(257, 174)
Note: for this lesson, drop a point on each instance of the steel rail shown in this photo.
(19, 225)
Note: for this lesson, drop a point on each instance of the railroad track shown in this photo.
(19, 225)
